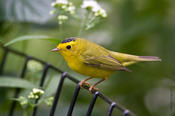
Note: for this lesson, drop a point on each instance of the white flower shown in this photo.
(49, 101)
(71, 9)
(91, 4)
(101, 12)
(94, 7)
(62, 19)
(54, 4)
(31, 96)
(61, 1)
(64, 5)
(36, 93)
(23, 100)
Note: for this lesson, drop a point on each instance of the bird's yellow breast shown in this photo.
(76, 64)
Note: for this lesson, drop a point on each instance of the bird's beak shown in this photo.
(55, 49)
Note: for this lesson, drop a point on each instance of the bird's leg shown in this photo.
(84, 82)
(93, 86)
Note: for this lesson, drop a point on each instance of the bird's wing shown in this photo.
(102, 60)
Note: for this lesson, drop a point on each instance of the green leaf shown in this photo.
(30, 37)
(14, 82)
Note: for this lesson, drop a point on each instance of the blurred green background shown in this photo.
(140, 27)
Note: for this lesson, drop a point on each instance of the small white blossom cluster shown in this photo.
(65, 6)
(49, 101)
(62, 19)
(23, 100)
(34, 66)
(36, 93)
(33, 95)
(93, 6)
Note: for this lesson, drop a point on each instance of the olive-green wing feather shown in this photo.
(102, 60)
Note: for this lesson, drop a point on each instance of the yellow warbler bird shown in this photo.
(95, 61)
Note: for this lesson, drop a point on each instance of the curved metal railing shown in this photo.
(47, 66)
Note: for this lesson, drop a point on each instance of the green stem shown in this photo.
(90, 22)
(83, 23)
(92, 19)
(26, 111)
(60, 30)
(60, 26)
(81, 28)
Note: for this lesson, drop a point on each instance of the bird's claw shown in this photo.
(81, 83)
(92, 88)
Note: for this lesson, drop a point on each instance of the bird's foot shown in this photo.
(92, 88)
(81, 83)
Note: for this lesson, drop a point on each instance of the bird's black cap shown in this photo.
(68, 40)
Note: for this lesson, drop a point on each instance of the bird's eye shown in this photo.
(68, 47)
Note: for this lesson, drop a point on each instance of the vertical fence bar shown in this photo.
(41, 85)
(44, 74)
(3, 61)
(126, 113)
(18, 90)
(77, 89)
(56, 98)
(91, 106)
(113, 104)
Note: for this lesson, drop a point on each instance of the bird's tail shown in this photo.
(127, 59)
(148, 58)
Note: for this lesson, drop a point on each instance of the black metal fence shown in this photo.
(96, 94)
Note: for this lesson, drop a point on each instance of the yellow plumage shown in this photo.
(93, 60)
